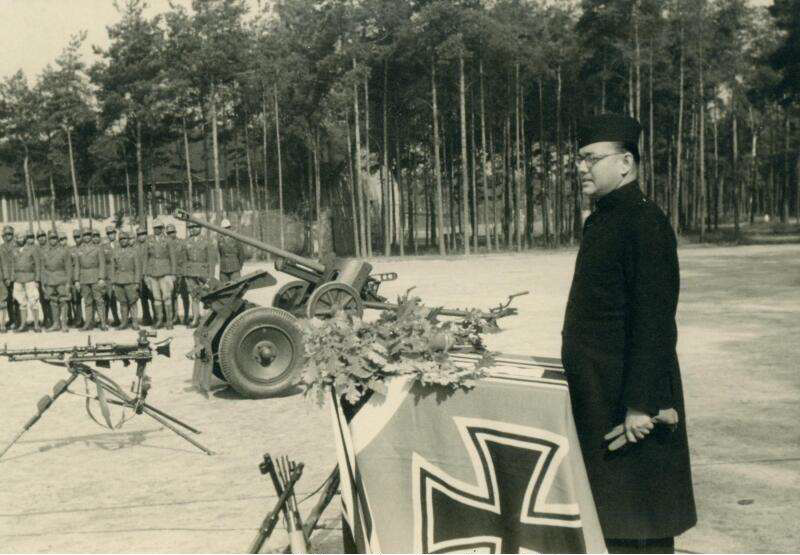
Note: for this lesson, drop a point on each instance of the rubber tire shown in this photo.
(238, 327)
(286, 287)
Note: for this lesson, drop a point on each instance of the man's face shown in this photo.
(87, 239)
(96, 239)
(42, 240)
(158, 231)
(29, 240)
(8, 237)
(602, 168)
(53, 241)
(141, 238)
(111, 237)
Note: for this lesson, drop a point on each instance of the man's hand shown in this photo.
(619, 436)
(637, 425)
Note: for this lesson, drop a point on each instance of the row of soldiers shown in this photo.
(78, 285)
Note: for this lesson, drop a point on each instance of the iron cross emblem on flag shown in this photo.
(507, 509)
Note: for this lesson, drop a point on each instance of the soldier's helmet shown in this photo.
(124, 235)
(8, 230)
(41, 233)
(141, 230)
(170, 228)
(110, 229)
(87, 232)
(226, 223)
(52, 234)
(157, 223)
(29, 235)
(95, 232)
(191, 225)
(76, 232)
(62, 237)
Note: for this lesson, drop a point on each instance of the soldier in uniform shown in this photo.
(27, 272)
(231, 256)
(199, 267)
(5, 270)
(179, 245)
(91, 273)
(126, 273)
(57, 281)
(6, 250)
(145, 294)
(108, 250)
(76, 301)
(160, 266)
(41, 249)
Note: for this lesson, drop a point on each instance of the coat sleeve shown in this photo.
(68, 268)
(102, 258)
(652, 280)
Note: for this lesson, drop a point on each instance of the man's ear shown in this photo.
(627, 164)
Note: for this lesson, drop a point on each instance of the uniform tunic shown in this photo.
(6, 278)
(231, 258)
(160, 267)
(26, 272)
(57, 273)
(200, 261)
(126, 272)
(91, 269)
(618, 351)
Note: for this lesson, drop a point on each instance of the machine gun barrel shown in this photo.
(309, 263)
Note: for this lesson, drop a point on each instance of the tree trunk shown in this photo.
(139, 177)
(72, 170)
(678, 146)
(735, 168)
(368, 210)
(251, 179)
(462, 109)
(544, 157)
(359, 162)
(437, 165)
(495, 228)
(190, 200)
(484, 180)
(52, 201)
(518, 192)
(356, 244)
(215, 150)
(317, 185)
(264, 145)
(280, 164)
(473, 173)
(652, 162)
(717, 183)
(559, 224)
(400, 221)
(388, 209)
(701, 204)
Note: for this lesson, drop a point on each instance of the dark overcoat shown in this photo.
(618, 351)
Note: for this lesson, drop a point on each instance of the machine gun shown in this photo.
(108, 392)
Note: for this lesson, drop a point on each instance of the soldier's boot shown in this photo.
(101, 312)
(64, 317)
(22, 324)
(33, 314)
(54, 317)
(112, 301)
(88, 315)
(3, 317)
(169, 316)
(147, 318)
(123, 309)
(158, 319)
(134, 316)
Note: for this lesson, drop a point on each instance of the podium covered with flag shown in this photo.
(492, 469)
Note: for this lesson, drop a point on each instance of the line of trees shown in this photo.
(446, 124)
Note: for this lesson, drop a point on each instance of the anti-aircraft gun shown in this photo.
(259, 350)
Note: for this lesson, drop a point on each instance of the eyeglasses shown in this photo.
(592, 159)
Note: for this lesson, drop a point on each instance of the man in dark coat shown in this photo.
(618, 349)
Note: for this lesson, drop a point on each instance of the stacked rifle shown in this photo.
(285, 474)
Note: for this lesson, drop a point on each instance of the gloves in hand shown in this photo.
(637, 425)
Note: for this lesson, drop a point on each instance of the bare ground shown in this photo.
(69, 486)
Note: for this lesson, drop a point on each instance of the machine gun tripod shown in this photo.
(76, 360)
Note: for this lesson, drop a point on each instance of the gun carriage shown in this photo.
(259, 350)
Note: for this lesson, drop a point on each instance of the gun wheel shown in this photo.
(332, 297)
(291, 296)
(261, 352)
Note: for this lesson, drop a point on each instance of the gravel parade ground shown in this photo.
(70, 486)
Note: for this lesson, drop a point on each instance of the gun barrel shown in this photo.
(309, 263)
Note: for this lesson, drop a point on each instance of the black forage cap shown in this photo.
(609, 127)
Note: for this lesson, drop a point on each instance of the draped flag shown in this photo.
(494, 469)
